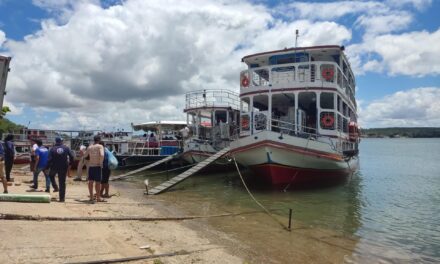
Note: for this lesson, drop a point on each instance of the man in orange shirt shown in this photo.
(95, 156)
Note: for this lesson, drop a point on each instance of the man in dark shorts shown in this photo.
(59, 161)
(95, 155)
(105, 174)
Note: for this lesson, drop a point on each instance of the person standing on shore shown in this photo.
(9, 156)
(95, 156)
(2, 173)
(41, 157)
(34, 148)
(105, 174)
(58, 162)
(81, 163)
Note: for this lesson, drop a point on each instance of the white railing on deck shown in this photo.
(212, 98)
(298, 74)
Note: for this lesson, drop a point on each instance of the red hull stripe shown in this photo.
(279, 175)
(304, 151)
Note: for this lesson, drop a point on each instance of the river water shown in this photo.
(387, 212)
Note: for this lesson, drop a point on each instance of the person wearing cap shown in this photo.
(95, 156)
(41, 156)
(59, 160)
(2, 173)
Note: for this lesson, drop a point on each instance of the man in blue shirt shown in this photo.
(59, 161)
(2, 174)
(41, 157)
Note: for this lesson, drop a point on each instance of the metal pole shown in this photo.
(290, 219)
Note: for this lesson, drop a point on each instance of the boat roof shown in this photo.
(159, 125)
(249, 59)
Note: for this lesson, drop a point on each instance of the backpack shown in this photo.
(112, 161)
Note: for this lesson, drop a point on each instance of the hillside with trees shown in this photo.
(396, 132)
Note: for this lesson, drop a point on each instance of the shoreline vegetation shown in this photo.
(401, 132)
(7, 126)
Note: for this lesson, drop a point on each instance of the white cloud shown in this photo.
(415, 107)
(16, 109)
(133, 62)
(418, 4)
(379, 24)
(332, 10)
(2, 38)
(414, 53)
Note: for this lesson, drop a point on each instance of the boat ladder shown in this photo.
(149, 166)
(184, 175)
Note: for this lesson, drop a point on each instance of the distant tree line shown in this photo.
(7, 126)
(395, 132)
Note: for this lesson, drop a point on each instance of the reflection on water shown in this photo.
(388, 211)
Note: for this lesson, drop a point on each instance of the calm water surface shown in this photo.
(387, 212)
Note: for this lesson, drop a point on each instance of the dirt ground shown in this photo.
(78, 241)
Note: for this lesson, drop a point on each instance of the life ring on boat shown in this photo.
(327, 121)
(244, 81)
(245, 123)
(328, 74)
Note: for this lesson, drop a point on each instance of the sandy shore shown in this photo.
(76, 241)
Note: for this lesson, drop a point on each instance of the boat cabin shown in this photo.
(212, 114)
(306, 92)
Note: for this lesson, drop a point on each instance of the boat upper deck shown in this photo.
(318, 67)
(212, 98)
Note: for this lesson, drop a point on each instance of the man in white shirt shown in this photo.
(81, 163)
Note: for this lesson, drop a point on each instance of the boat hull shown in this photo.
(282, 177)
(290, 161)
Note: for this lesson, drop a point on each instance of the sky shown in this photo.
(104, 64)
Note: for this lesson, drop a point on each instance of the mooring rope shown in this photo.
(154, 173)
(255, 200)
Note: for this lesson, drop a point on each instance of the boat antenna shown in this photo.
(296, 44)
(296, 38)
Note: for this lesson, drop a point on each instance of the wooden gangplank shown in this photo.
(149, 166)
(184, 175)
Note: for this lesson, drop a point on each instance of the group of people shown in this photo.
(57, 162)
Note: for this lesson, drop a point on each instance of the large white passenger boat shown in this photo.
(298, 121)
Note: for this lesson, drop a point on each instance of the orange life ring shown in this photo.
(328, 120)
(245, 123)
(245, 81)
(328, 74)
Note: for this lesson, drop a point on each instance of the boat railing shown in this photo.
(317, 73)
(212, 98)
(151, 148)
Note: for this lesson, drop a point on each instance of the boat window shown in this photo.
(283, 111)
(339, 104)
(261, 103)
(244, 104)
(260, 77)
(339, 122)
(327, 101)
(289, 58)
(220, 116)
(344, 109)
(283, 75)
(303, 73)
(307, 103)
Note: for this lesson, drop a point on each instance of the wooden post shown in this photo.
(290, 219)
